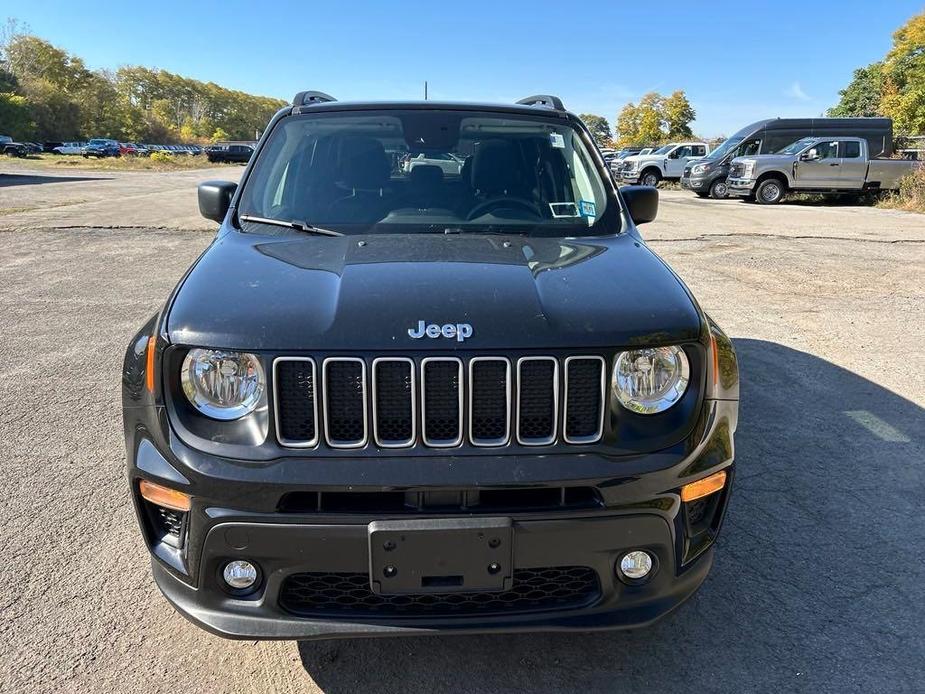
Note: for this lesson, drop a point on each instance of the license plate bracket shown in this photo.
(440, 555)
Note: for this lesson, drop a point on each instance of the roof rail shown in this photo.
(309, 98)
(547, 100)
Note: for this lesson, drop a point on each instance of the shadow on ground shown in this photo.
(818, 581)
(7, 179)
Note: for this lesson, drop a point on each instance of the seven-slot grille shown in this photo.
(438, 402)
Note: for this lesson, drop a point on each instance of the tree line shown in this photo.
(893, 87)
(655, 120)
(48, 94)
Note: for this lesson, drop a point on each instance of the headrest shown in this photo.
(364, 163)
(496, 168)
(424, 175)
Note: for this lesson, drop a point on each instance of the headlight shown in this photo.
(223, 385)
(651, 380)
(748, 169)
(631, 165)
(699, 169)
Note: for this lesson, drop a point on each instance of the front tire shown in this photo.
(719, 190)
(650, 178)
(770, 191)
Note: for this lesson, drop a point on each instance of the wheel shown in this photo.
(650, 177)
(719, 190)
(770, 191)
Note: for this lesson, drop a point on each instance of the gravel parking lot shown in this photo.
(819, 582)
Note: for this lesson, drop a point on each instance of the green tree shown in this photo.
(861, 98)
(14, 116)
(599, 129)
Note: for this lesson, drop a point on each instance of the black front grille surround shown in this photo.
(439, 401)
(543, 589)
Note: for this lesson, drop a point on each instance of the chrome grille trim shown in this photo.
(507, 379)
(458, 440)
(555, 402)
(295, 443)
(414, 414)
(324, 387)
(600, 427)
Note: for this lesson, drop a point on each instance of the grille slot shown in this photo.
(538, 400)
(584, 399)
(345, 402)
(489, 401)
(532, 590)
(393, 402)
(442, 401)
(295, 401)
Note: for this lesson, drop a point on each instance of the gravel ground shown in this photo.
(818, 582)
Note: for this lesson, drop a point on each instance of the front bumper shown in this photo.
(237, 513)
(630, 177)
(741, 187)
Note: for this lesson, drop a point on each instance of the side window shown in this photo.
(700, 151)
(850, 149)
(749, 147)
(682, 152)
(827, 150)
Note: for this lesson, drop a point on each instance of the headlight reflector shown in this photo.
(223, 385)
(649, 381)
(700, 168)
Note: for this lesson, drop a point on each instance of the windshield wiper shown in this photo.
(489, 230)
(294, 224)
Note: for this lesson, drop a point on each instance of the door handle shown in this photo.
(834, 164)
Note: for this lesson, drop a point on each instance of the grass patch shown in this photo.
(73, 162)
(910, 196)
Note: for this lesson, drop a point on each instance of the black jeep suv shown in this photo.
(392, 399)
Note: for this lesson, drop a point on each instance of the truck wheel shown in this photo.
(719, 190)
(770, 191)
(651, 177)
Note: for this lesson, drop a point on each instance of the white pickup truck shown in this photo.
(828, 165)
(667, 162)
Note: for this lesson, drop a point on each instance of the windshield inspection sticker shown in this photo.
(561, 210)
(556, 140)
(586, 208)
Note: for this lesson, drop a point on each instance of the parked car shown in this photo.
(70, 148)
(708, 176)
(383, 404)
(127, 148)
(667, 162)
(141, 150)
(101, 147)
(230, 153)
(450, 164)
(824, 165)
(50, 146)
(11, 148)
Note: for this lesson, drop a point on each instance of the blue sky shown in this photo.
(737, 61)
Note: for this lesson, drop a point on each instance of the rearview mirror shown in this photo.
(641, 203)
(215, 199)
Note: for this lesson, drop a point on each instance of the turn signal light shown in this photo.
(164, 496)
(705, 487)
(149, 364)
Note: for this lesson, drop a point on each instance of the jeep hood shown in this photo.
(304, 292)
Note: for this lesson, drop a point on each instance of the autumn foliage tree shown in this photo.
(893, 87)
(64, 100)
(599, 129)
(655, 119)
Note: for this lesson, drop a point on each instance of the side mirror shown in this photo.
(641, 203)
(215, 199)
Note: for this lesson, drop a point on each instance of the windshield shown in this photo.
(797, 146)
(724, 148)
(663, 149)
(418, 170)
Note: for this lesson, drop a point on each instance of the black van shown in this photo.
(707, 176)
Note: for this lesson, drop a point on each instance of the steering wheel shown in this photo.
(483, 207)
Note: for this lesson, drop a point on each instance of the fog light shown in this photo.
(240, 574)
(636, 564)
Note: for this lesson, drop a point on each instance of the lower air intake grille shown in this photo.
(349, 594)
